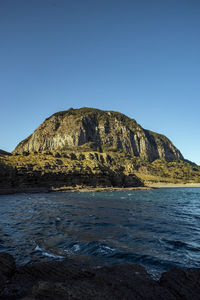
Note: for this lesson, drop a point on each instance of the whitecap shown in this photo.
(76, 248)
(106, 249)
(68, 251)
(37, 248)
(51, 255)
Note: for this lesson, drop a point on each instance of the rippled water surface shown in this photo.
(159, 229)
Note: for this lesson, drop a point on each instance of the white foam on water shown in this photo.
(76, 248)
(106, 249)
(109, 248)
(37, 248)
(68, 251)
(51, 255)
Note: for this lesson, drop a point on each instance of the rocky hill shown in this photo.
(92, 148)
(104, 131)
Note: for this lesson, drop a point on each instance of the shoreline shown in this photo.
(89, 189)
(100, 189)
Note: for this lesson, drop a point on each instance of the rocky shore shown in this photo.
(84, 189)
(100, 189)
(83, 278)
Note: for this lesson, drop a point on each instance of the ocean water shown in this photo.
(159, 229)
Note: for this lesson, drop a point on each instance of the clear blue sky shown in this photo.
(141, 58)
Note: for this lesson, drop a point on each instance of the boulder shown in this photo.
(7, 266)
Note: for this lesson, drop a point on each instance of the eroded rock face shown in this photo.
(45, 172)
(98, 130)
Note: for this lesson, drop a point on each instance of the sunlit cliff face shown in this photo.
(99, 130)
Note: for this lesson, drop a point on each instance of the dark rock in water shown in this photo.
(7, 266)
(182, 284)
(83, 279)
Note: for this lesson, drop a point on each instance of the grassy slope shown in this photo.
(93, 162)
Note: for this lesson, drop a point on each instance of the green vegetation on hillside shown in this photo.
(96, 147)
(97, 162)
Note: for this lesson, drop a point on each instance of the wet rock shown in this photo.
(83, 278)
(182, 284)
(45, 289)
(7, 265)
(12, 291)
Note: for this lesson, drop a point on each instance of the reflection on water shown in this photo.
(158, 229)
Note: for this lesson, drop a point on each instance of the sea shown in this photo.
(159, 229)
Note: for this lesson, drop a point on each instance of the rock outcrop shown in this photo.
(92, 148)
(84, 279)
(44, 171)
(3, 153)
(104, 131)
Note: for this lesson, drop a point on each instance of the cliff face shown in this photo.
(105, 131)
(47, 170)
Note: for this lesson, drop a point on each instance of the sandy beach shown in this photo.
(173, 185)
